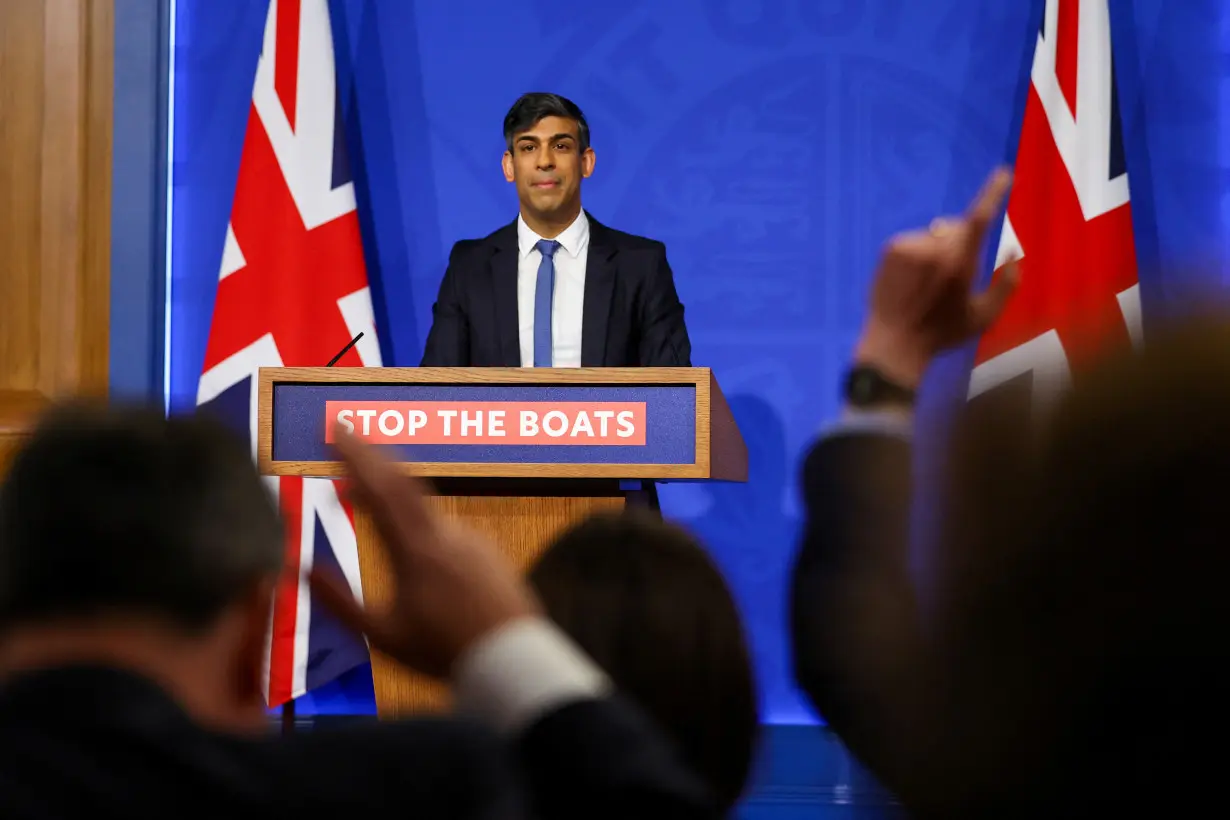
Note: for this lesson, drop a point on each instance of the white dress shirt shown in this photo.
(896, 422)
(569, 300)
(523, 671)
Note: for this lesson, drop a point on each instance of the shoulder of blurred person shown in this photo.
(1091, 622)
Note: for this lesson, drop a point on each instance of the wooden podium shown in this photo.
(517, 453)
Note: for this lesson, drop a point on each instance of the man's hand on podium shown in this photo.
(452, 587)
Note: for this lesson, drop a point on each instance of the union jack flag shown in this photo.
(1069, 218)
(293, 291)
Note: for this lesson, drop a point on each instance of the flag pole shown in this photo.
(288, 717)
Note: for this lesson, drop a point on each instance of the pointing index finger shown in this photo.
(986, 205)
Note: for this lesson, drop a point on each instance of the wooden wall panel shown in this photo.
(55, 203)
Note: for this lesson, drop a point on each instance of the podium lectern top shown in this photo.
(653, 423)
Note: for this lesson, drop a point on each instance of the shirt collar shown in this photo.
(573, 241)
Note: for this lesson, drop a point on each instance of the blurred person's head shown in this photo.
(645, 601)
(1086, 611)
(131, 540)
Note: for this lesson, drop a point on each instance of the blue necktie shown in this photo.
(544, 290)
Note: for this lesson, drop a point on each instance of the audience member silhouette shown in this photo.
(137, 559)
(646, 602)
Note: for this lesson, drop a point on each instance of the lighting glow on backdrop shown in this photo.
(772, 145)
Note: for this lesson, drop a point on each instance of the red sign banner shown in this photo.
(447, 422)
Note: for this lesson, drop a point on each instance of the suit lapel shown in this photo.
(599, 285)
(504, 285)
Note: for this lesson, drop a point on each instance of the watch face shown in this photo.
(862, 388)
(866, 387)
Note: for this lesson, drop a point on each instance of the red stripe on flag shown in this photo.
(286, 599)
(292, 278)
(286, 64)
(1067, 46)
(1072, 270)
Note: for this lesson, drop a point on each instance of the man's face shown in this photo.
(547, 164)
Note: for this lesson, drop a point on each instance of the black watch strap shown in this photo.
(867, 387)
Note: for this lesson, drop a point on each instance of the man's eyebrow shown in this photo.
(552, 138)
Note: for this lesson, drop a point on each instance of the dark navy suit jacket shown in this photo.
(632, 316)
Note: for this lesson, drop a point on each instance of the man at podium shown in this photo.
(555, 287)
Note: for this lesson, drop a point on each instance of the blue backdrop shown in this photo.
(772, 144)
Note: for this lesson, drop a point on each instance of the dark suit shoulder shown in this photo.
(464, 245)
(623, 240)
(607, 754)
(837, 457)
(428, 762)
(116, 742)
(503, 235)
(471, 248)
(465, 250)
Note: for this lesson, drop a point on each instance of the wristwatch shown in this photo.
(868, 388)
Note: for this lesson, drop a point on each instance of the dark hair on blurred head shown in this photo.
(645, 601)
(536, 106)
(112, 510)
(1086, 641)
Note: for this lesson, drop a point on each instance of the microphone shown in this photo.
(343, 351)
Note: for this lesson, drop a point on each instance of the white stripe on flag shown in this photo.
(234, 369)
(357, 312)
(333, 519)
(303, 606)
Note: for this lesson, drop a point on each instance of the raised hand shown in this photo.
(922, 299)
(451, 586)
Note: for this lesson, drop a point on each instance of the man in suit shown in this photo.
(555, 288)
(138, 555)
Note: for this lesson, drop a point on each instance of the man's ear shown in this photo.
(587, 162)
(507, 162)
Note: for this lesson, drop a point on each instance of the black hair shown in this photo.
(120, 510)
(535, 106)
(643, 598)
